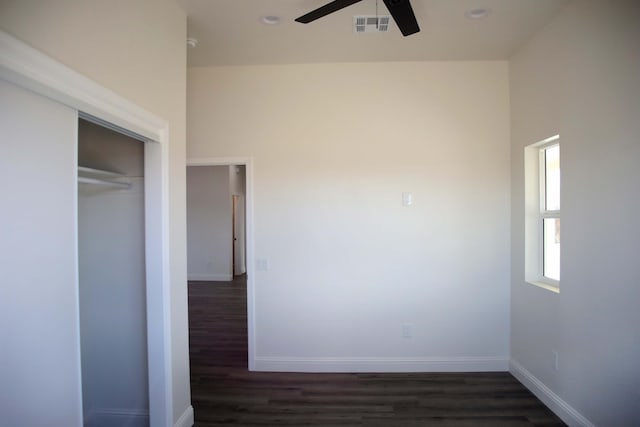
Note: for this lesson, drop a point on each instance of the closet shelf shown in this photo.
(101, 177)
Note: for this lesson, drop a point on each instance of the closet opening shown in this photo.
(112, 276)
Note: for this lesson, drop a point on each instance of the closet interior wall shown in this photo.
(111, 264)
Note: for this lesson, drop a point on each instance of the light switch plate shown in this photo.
(407, 330)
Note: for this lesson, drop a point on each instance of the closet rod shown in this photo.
(101, 177)
(85, 180)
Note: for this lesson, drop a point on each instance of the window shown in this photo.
(542, 213)
(550, 212)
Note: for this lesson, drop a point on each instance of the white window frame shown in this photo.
(535, 213)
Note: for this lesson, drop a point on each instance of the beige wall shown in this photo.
(137, 49)
(578, 77)
(335, 145)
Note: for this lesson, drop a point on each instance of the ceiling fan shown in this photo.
(400, 10)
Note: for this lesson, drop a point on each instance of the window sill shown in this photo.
(547, 286)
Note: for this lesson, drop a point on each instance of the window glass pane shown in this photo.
(552, 178)
(551, 248)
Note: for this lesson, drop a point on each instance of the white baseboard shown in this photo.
(562, 409)
(381, 364)
(186, 419)
(210, 277)
(117, 417)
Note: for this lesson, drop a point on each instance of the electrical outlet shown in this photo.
(556, 360)
(407, 330)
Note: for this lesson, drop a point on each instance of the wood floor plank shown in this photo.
(225, 393)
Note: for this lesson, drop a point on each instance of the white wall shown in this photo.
(39, 358)
(579, 77)
(335, 145)
(209, 223)
(136, 49)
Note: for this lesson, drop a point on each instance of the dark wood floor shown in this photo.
(225, 393)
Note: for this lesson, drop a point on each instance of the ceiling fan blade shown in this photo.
(325, 10)
(402, 13)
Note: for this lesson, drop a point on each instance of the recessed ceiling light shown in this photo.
(479, 13)
(270, 20)
(192, 42)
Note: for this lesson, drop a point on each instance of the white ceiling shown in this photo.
(230, 31)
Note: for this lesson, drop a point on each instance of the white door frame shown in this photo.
(249, 238)
(27, 67)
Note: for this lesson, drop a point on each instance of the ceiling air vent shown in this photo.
(371, 24)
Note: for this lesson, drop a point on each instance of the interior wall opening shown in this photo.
(218, 250)
(112, 277)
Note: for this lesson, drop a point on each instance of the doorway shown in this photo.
(240, 183)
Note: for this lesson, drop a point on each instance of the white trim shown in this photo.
(382, 364)
(76, 239)
(119, 417)
(211, 277)
(547, 286)
(26, 67)
(547, 141)
(157, 245)
(218, 161)
(186, 419)
(249, 236)
(562, 409)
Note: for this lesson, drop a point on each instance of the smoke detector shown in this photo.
(192, 42)
(371, 24)
(479, 13)
(270, 20)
